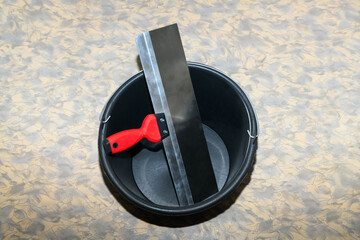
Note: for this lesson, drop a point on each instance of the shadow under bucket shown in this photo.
(141, 175)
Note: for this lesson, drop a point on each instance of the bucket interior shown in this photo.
(221, 107)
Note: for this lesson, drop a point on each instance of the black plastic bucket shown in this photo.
(224, 108)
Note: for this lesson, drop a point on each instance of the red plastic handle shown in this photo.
(125, 139)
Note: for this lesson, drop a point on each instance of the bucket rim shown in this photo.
(213, 200)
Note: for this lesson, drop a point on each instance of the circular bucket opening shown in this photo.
(231, 130)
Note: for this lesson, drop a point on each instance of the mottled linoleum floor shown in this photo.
(298, 61)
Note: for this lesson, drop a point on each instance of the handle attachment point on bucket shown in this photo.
(106, 120)
(251, 136)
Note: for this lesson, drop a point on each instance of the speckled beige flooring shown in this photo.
(298, 61)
